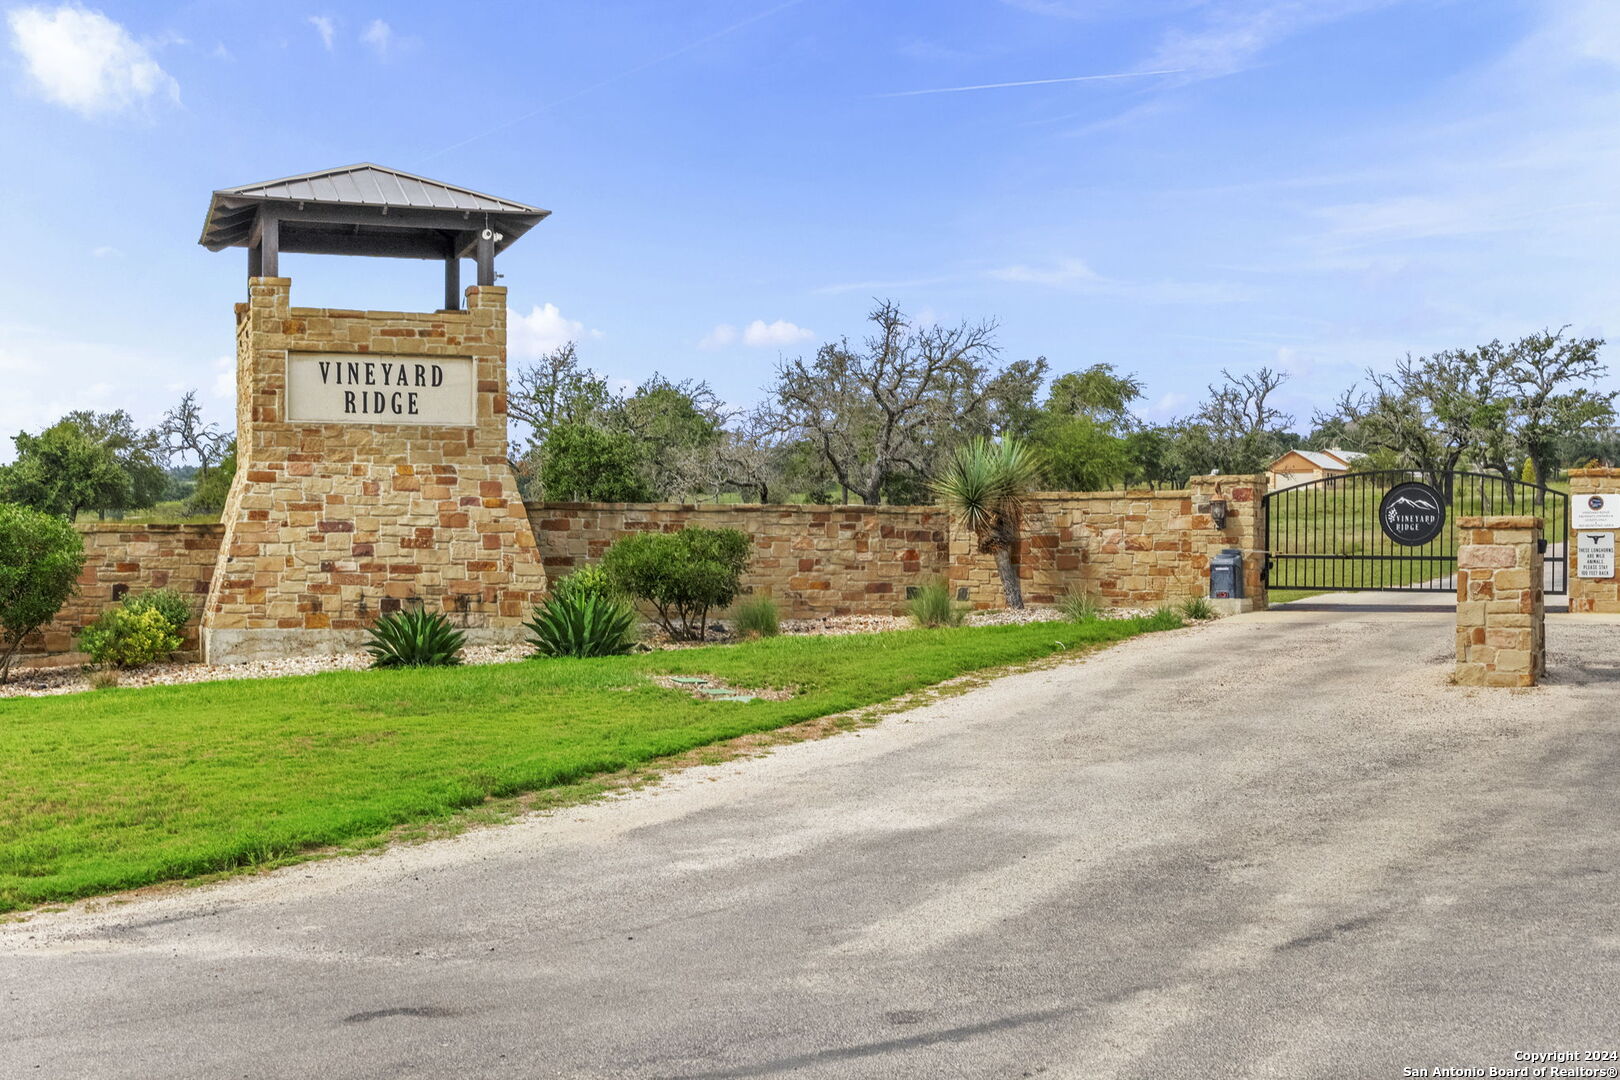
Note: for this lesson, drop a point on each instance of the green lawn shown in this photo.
(119, 788)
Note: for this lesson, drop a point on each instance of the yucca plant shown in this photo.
(577, 622)
(985, 486)
(414, 637)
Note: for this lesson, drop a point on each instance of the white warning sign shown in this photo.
(1594, 511)
(1594, 554)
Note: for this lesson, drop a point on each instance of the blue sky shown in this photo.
(1318, 185)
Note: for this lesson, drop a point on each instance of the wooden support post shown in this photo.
(452, 282)
(269, 245)
(255, 261)
(486, 261)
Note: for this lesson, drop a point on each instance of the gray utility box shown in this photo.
(1226, 575)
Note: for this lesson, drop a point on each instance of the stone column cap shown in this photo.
(1522, 521)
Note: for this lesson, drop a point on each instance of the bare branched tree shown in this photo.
(184, 432)
(877, 410)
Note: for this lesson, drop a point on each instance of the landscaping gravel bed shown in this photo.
(41, 682)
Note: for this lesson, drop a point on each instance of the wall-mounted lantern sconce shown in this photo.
(1217, 512)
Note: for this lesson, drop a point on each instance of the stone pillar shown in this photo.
(1589, 595)
(1501, 616)
(1245, 530)
(386, 483)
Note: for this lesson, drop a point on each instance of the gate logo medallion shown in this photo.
(1412, 514)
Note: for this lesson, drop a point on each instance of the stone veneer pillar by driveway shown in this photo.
(330, 524)
(1591, 595)
(1501, 614)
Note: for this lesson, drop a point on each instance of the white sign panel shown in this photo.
(1594, 511)
(1595, 554)
(344, 388)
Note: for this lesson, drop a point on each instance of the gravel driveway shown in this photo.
(1278, 846)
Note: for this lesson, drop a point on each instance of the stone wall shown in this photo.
(1135, 549)
(1501, 610)
(329, 524)
(1588, 595)
(131, 558)
(812, 560)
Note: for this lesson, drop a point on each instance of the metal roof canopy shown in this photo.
(367, 209)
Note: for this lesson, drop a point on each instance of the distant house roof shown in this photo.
(1330, 460)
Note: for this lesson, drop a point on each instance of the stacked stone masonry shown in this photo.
(1592, 595)
(1501, 612)
(1137, 549)
(330, 524)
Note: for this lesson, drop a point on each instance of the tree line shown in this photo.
(878, 418)
(875, 420)
(105, 464)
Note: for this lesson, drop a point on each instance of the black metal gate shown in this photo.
(1326, 534)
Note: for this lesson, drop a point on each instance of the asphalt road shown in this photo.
(1279, 846)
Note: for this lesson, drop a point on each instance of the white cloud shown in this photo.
(326, 26)
(106, 251)
(380, 36)
(1236, 32)
(722, 335)
(1074, 275)
(780, 332)
(87, 62)
(543, 329)
(758, 333)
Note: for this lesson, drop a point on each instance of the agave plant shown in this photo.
(985, 485)
(414, 637)
(576, 622)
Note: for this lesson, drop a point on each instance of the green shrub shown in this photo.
(40, 560)
(586, 463)
(174, 608)
(681, 574)
(123, 637)
(586, 581)
(1079, 606)
(932, 606)
(578, 622)
(758, 618)
(414, 637)
(1198, 608)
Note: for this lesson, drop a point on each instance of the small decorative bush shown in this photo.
(586, 581)
(1078, 606)
(174, 608)
(1198, 608)
(580, 622)
(681, 574)
(126, 638)
(932, 606)
(758, 618)
(414, 637)
(40, 560)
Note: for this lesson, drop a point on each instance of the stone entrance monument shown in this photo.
(372, 465)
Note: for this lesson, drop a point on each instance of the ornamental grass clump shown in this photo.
(757, 618)
(1079, 606)
(414, 637)
(583, 616)
(932, 606)
(1198, 608)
